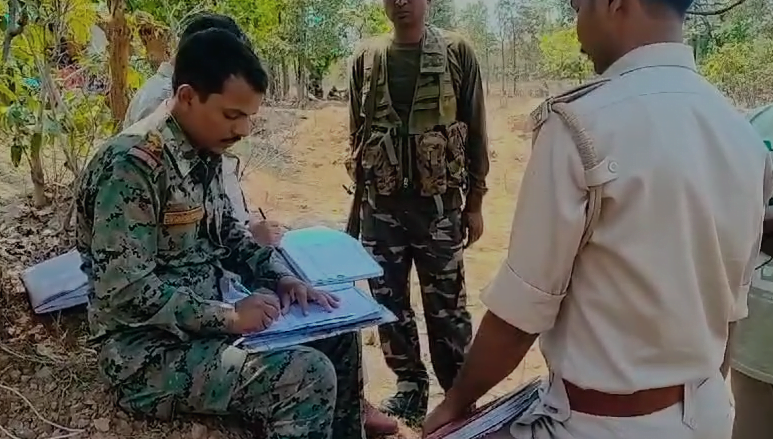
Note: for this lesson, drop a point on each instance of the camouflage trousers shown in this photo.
(304, 392)
(397, 239)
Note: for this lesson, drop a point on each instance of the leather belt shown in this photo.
(641, 403)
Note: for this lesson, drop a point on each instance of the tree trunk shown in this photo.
(285, 78)
(487, 54)
(38, 178)
(514, 49)
(504, 68)
(274, 85)
(300, 73)
(37, 175)
(119, 45)
(17, 19)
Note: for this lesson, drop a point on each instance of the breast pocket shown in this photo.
(179, 229)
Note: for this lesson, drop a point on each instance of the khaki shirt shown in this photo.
(647, 302)
(155, 91)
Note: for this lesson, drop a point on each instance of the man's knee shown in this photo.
(295, 374)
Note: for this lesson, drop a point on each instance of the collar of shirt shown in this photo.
(762, 119)
(165, 69)
(184, 155)
(653, 55)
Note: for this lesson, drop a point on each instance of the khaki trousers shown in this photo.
(705, 414)
(753, 407)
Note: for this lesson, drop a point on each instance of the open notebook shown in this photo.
(326, 257)
(357, 310)
(329, 260)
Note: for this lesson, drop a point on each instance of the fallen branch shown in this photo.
(70, 431)
(720, 11)
(26, 357)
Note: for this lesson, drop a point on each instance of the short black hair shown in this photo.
(679, 6)
(208, 58)
(206, 20)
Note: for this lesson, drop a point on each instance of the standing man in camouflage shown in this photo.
(156, 232)
(419, 148)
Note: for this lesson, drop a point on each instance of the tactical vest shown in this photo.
(435, 138)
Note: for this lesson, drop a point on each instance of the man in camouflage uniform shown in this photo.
(156, 232)
(267, 232)
(423, 161)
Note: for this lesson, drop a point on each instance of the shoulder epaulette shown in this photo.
(149, 150)
(598, 170)
(540, 115)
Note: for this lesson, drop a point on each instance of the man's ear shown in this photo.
(186, 94)
(616, 6)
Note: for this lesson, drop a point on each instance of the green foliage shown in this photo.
(561, 57)
(743, 70)
(38, 109)
(19, 115)
(474, 23)
(368, 19)
(442, 14)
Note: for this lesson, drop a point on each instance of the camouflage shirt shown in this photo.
(156, 231)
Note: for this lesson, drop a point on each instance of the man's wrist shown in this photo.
(230, 319)
(458, 403)
(474, 201)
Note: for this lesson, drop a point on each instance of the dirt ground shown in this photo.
(49, 387)
(316, 190)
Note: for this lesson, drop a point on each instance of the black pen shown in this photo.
(263, 215)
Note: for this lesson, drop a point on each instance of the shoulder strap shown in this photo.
(597, 171)
(370, 103)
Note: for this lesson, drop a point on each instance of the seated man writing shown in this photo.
(156, 232)
(159, 88)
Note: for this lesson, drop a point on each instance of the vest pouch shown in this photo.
(455, 159)
(379, 164)
(431, 163)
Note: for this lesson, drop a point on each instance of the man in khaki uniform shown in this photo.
(752, 373)
(635, 235)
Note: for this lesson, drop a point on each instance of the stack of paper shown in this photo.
(492, 416)
(56, 284)
(330, 260)
(322, 256)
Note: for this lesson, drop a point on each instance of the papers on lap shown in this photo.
(494, 415)
(331, 261)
